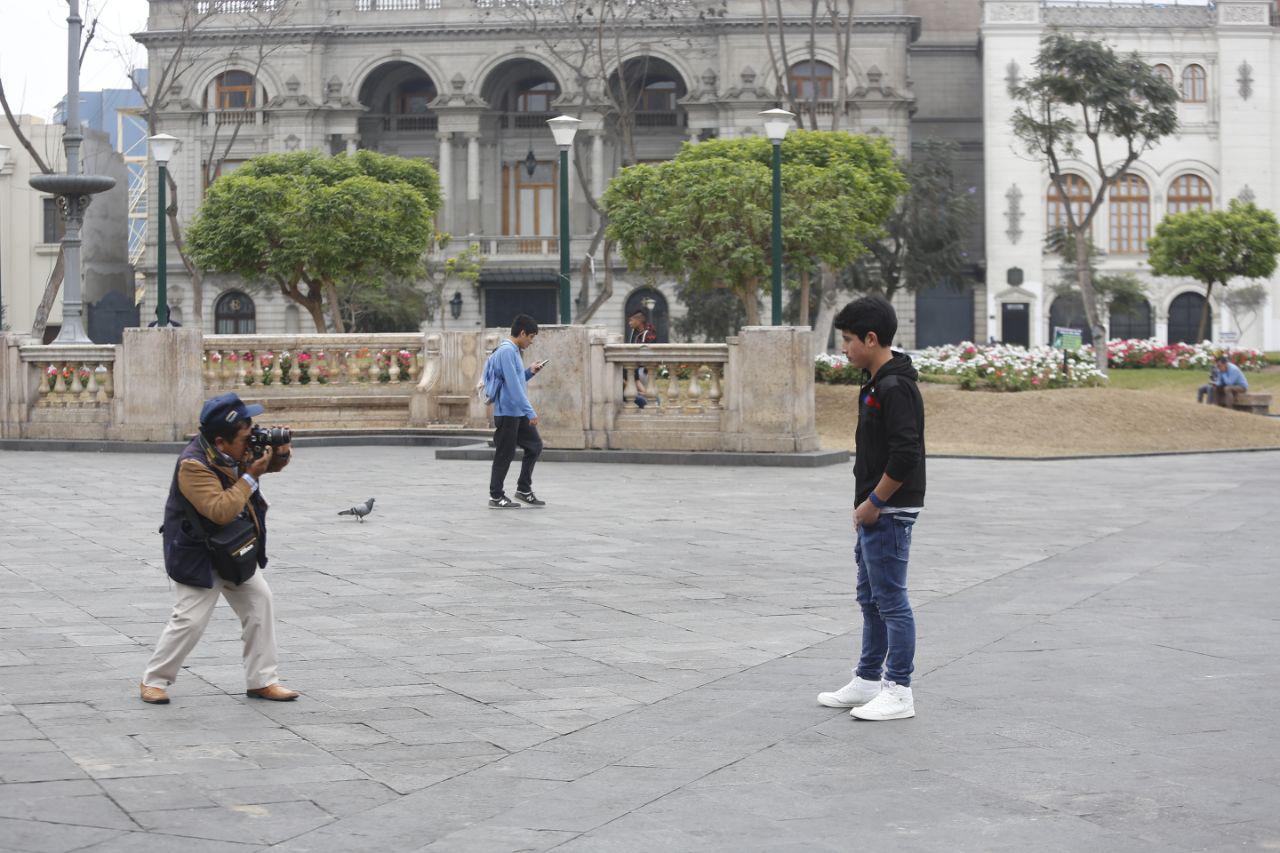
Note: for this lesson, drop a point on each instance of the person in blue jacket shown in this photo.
(515, 422)
(1230, 382)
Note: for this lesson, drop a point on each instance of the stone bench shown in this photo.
(1254, 404)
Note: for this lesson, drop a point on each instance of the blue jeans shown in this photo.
(888, 625)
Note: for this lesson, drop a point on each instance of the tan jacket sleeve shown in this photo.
(204, 489)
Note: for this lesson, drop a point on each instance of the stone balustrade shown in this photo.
(284, 364)
(672, 379)
(70, 377)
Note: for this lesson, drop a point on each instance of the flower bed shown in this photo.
(1008, 368)
(1136, 353)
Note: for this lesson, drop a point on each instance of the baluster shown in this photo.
(651, 385)
(227, 370)
(393, 365)
(277, 371)
(91, 386)
(352, 364)
(714, 392)
(694, 397)
(102, 378)
(110, 384)
(59, 395)
(673, 388)
(209, 367)
(240, 370)
(295, 372)
(84, 371)
(43, 388)
(628, 385)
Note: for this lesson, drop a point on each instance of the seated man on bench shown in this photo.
(1230, 383)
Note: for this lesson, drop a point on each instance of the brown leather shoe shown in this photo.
(154, 695)
(274, 692)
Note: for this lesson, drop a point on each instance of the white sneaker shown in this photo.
(894, 702)
(860, 691)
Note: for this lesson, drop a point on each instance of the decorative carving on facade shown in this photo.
(1013, 213)
(1245, 79)
(291, 142)
(1011, 13)
(1012, 75)
(1247, 195)
(1129, 15)
(748, 91)
(1233, 14)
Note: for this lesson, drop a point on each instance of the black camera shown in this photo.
(260, 438)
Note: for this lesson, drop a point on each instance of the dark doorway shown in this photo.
(944, 315)
(110, 316)
(658, 314)
(1133, 323)
(502, 302)
(235, 314)
(1068, 311)
(1184, 319)
(1015, 323)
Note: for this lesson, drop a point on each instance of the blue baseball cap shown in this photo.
(227, 408)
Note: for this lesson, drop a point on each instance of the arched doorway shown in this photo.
(521, 94)
(652, 301)
(1068, 311)
(1133, 322)
(651, 88)
(1184, 318)
(234, 314)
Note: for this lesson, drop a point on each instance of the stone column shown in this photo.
(473, 183)
(769, 390)
(159, 384)
(13, 390)
(445, 160)
(597, 163)
(353, 144)
(561, 392)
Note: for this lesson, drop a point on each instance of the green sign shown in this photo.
(1067, 339)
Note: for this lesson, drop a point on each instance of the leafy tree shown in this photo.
(1246, 301)
(1121, 292)
(706, 215)
(383, 305)
(440, 269)
(710, 315)
(1215, 246)
(926, 232)
(314, 225)
(1084, 89)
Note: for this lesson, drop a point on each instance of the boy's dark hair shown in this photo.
(523, 323)
(643, 313)
(1222, 359)
(869, 314)
(223, 430)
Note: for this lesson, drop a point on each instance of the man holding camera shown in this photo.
(215, 483)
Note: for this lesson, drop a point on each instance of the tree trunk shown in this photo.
(335, 311)
(803, 317)
(1084, 278)
(50, 294)
(1204, 314)
(316, 310)
(828, 306)
(750, 297)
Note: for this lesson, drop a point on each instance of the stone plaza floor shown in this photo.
(634, 667)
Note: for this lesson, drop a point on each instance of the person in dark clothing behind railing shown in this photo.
(641, 331)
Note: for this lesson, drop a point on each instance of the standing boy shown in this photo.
(641, 331)
(889, 493)
(515, 421)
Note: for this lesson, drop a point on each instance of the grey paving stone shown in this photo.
(634, 668)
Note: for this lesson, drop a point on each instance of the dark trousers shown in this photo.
(511, 432)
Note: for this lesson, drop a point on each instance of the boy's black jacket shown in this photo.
(890, 437)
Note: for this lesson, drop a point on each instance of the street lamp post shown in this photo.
(4, 161)
(776, 124)
(163, 147)
(563, 129)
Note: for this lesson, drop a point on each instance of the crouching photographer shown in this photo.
(215, 538)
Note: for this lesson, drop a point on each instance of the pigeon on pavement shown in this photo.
(359, 511)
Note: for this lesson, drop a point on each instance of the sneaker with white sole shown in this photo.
(893, 702)
(860, 691)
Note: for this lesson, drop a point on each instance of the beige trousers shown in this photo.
(191, 612)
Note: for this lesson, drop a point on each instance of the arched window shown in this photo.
(1165, 72)
(535, 96)
(811, 80)
(658, 96)
(1080, 195)
(1194, 85)
(1068, 311)
(1130, 214)
(234, 90)
(234, 314)
(1190, 192)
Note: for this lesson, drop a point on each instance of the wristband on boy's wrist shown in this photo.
(875, 501)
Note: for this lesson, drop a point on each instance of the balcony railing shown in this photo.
(225, 117)
(236, 7)
(659, 118)
(397, 5)
(401, 123)
(521, 121)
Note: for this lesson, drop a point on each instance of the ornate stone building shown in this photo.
(469, 85)
(1224, 57)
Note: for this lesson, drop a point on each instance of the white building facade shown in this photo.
(1225, 60)
(468, 86)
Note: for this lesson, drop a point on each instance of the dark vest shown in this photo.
(185, 558)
